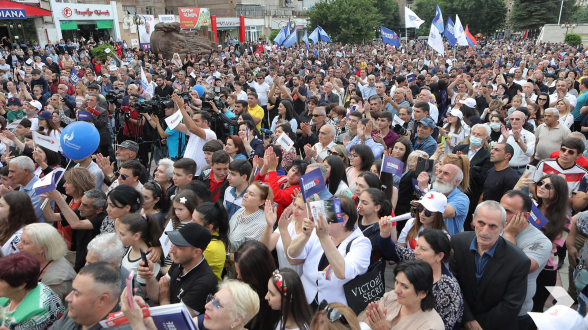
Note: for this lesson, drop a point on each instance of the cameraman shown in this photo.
(175, 140)
(132, 124)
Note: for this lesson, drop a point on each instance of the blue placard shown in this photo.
(13, 14)
(415, 186)
(84, 115)
(392, 165)
(311, 183)
(410, 77)
(537, 218)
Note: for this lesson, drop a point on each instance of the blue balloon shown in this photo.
(79, 140)
(199, 89)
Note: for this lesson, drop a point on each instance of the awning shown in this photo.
(103, 24)
(30, 10)
(68, 25)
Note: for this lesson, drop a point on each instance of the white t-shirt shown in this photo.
(262, 91)
(10, 246)
(194, 148)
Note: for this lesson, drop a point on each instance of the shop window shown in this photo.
(149, 11)
(252, 33)
(131, 9)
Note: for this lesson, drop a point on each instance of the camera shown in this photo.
(115, 97)
(155, 106)
(398, 129)
(206, 106)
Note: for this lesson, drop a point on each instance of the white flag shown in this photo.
(146, 86)
(411, 19)
(435, 40)
(48, 142)
(459, 33)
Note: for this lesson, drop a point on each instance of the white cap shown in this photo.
(456, 113)
(470, 102)
(434, 201)
(559, 317)
(36, 104)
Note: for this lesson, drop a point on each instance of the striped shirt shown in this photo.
(243, 229)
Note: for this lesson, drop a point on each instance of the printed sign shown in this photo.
(167, 18)
(311, 183)
(13, 14)
(392, 165)
(285, 141)
(145, 31)
(48, 182)
(174, 120)
(329, 209)
(410, 77)
(194, 18)
(48, 142)
(537, 218)
(164, 239)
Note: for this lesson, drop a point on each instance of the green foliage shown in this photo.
(99, 51)
(390, 13)
(533, 14)
(347, 21)
(274, 34)
(573, 39)
(482, 16)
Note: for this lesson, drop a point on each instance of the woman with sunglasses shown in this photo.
(434, 247)
(286, 294)
(334, 316)
(341, 152)
(327, 265)
(543, 103)
(411, 305)
(428, 214)
(551, 194)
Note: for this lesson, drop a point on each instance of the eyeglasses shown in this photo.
(333, 314)
(421, 208)
(353, 156)
(548, 186)
(542, 99)
(570, 152)
(316, 115)
(215, 303)
(123, 176)
(334, 153)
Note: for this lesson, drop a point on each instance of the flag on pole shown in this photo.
(459, 33)
(438, 20)
(305, 39)
(449, 32)
(287, 29)
(435, 40)
(146, 86)
(74, 76)
(279, 39)
(321, 35)
(291, 40)
(390, 37)
(411, 19)
(470, 38)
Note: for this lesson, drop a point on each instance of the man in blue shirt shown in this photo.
(21, 170)
(175, 140)
(491, 271)
(423, 139)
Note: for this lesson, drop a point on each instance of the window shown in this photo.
(248, 10)
(131, 9)
(148, 10)
(252, 33)
(169, 11)
(63, 1)
(409, 6)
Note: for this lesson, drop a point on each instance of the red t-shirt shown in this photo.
(130, 129)
(214, 185)
(582, 161)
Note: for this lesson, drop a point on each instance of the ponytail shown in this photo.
(216, 215)
(146, 225)
(378, 198)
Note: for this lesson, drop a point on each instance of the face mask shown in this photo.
(494, 126)
(475, 141)
(336, 120)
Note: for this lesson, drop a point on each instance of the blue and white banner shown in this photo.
(392, 165)
(438, 20)
(390, 37)
(311, 183)
(13, 14)
(449, 32)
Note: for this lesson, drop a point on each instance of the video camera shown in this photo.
(115, 97)
(206, 106)
(155, 106)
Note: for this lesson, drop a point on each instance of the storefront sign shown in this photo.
(227, 22)
(13, 14)
(167, 18)
(194, 18)
(68, 12)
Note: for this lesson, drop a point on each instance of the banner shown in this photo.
(48, 182)
(174, 120)
(392, 165)
(390, 37)
(449, 32)
(536, 218)
(134, 42)
(145, 31)
(311, 183)
(436, 41)
(411, 19)
(194, 18)
(167, 18)
(285, 141)
(438, 20)
(45, 141)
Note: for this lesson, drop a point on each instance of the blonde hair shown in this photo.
(82, 180)
(245, 301)
(320, 318)
(45, 235)
(463, 162)
(82, 88)
(266, 192)
(568, 106)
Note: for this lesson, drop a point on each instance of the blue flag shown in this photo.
(392, 165)
(287, 29)
(74, 76)
(291, 40)
(323, 35)
(279, 39)
(390, 37)
(311, 183)
(438, 20)
(314, 36)
(449, 32)
(537, 218)
(305, 38)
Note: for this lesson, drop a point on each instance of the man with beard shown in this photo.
(162, 89)
(448, 178)
(189, 279)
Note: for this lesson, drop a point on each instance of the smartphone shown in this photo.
(131, 288)
(144, 257)
(425, 165)
(530, 169)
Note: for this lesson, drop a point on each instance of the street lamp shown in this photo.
(568, 25)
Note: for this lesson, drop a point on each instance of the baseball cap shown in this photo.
(14, 101)
(558, 317)
(45, 115)
(94, 86)
(36, 104)
(434, 201)
(470, 102)
(427, 122)
(191, 234)
(131, 145)
(456, 113)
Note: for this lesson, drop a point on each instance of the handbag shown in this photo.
(581, 278)
(365, 288)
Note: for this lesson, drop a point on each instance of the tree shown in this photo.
(533, 14)
(274, 34)
(390, 14)
(346, 21)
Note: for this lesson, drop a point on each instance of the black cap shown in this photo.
(94, 86)
(191, 234)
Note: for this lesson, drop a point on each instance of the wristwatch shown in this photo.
(110, 175)
(519, 140)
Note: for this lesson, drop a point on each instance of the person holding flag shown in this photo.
(73, 77)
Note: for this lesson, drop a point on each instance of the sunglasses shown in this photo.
(542, 99)
(123, 176)
(215, 302)
(316, 115)
(548, 186)
(421, 208)
(333, 314)
(570, 152)
(333, 153)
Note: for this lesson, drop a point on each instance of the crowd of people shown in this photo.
(193, 195)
